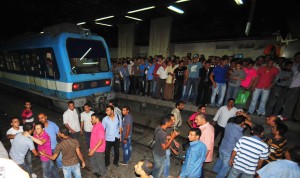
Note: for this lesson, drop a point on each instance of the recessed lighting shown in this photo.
(133, 18)
(81, 23)
(104, 24)
(143, 9)
(108, 17)
(175, 9)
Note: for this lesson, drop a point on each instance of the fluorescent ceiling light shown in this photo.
(143, 9)
(81, 23)
(41, 32)
(239, 2)
(87, 63)
(133, 18)
(104, 24)
(179, 1)
(175, 9)
(108, 17)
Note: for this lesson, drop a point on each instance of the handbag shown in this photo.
(242, 97)
(152, 142)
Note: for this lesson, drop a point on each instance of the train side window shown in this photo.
(36, 65)
(51, 66)
(16, 62)
(2, 63)
(8, 63)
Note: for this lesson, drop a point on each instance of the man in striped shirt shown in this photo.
(248, 154)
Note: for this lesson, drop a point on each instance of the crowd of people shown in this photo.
(271, 83)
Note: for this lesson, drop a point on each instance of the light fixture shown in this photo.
(81, 23)
(41, 32)
(108, 17)
(239, 2)
(143, 9)
(179, 1)
(104, 24)
(175, 9)
(133, 18)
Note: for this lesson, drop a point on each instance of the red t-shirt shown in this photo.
(266, 77)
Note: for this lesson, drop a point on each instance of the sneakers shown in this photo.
(33, 175)
(282, 118)
(123, 164)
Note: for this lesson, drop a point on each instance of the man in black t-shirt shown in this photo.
(179, 79)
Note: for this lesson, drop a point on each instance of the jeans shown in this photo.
(126, 150)
(263, 100)
(58, 160)
(26, 168)
(232, 92)
(167, 163)
(191, 84)
(154, 81)
(221, 166)
(148, 87)
(126, 81)
(235, 173)
(110, 144)
(75, 169)
(178, 87)
(220, 89)
(97, 162)
(49, 170)
(159, 163)
(28, 160)
(87, 138)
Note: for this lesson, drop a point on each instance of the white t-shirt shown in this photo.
(87, 122)
(12, 131)
(71, 118)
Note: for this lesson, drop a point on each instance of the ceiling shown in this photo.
(202, 20)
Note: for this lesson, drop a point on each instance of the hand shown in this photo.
(215, 85)
(124, 142)
(72, 131)
(83, 165)
(81, 132)
(91, 153)
(230, 163)
(43, 153)
(176, 144)
(26, 134)
(175, 134)
(213, 123)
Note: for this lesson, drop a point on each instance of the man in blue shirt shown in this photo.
(233, 132)
(113, 129)
(195, 156)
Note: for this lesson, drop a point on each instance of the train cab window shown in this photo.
(87, 56)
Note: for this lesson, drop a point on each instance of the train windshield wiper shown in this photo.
(85, 53)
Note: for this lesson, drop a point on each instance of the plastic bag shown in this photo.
(242, 97)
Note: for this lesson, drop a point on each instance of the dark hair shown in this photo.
(111, 107)
(178, 103)
(114, 102)
(251, 62)
(231, 99)
(96, 115)
(127, 108)
(64, 130)
(239, 119)
(257, 130)
(289, 62)
(87, 104)
(147, 166)
(70, 102)
(201, 106)
(282, 129)
(40, 123)
(196, 130)
(12, 118)
(208, 62)
(295, 154)
(27, 127)
(166, 119)
(201, 115)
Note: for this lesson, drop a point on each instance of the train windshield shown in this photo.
(87, 56)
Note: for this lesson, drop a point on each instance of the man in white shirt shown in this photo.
(71, 120)
(222, 116)
(86, 123)
(15, 128)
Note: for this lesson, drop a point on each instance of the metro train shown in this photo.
(65, 62)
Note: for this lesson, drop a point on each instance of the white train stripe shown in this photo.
(39, 82)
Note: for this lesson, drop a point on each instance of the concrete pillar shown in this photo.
(160, 34)
(126, 40)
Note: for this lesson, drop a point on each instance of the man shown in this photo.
(195, 156)
(42, 139)
(218, 79)
(266, 76)
(20, 147)
(248, 154)
(233, 132)
(15, 128)
(97, 146)
(222, 116)
(71, 121)
(126, 134)
(144, 168)
(176, 111)
(204, 87)
(191, 120)
(193, 79)
(161, 145)
(207, 136)
(70, 150)
(117, 110)
(283, 168)
(113, 128)
(86, 123)
(179, 79)
(52, 130)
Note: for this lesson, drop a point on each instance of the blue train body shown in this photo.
(62, 66)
